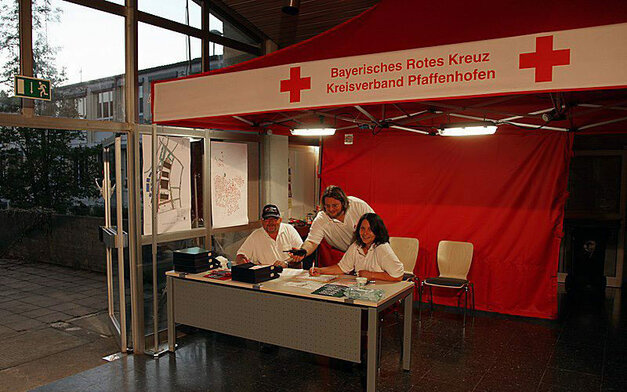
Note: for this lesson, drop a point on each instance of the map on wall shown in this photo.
(173, 184)
(229, 184)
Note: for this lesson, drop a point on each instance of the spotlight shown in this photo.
(291, 7)
(553, 115)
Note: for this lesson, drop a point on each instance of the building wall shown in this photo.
(37, 236)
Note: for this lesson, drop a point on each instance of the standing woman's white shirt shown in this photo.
(380, 258)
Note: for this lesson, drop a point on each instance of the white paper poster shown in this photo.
(173, 185)
(229, 184)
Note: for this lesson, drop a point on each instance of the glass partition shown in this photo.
(182, 11)
(9, 57)
(227, 244)
(230, 31)
(181, 58)
(82, 52)
(164, 264)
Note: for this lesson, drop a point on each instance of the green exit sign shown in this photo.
(32, 88)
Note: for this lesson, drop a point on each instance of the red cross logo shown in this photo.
(544, 59)
(294, 84)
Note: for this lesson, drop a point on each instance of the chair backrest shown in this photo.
(454, 259)
(406, 249)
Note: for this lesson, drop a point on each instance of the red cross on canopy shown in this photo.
(544, 59)
(294, 84)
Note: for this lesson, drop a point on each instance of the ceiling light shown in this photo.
(291, 7)
(468, 129)
(313, 132)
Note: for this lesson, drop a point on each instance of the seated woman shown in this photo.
(370, 254)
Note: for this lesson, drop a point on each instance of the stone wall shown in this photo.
(42, 236)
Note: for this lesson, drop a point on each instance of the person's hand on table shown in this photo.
(313, 271)
(366, 274)
(280, 263)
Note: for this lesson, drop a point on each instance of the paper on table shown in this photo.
(321, 278)
(292, 272)
(304, 274)
(305, 285)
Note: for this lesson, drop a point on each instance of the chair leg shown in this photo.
(431, 298)
(420, 302)
(472, 294)
(465, 303)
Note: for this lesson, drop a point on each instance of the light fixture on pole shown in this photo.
(475, 128)
(291, 7)
(313, 132)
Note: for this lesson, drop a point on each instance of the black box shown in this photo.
(193, 260)
(252, 273)
(193, 269)
(190, 256)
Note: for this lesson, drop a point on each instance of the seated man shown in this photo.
(269, 244)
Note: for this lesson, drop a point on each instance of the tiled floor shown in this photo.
(583, 351)
(34, 295)
(53, 323)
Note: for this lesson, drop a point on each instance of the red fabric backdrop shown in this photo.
(503, 193)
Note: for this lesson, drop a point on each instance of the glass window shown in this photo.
(58, 172)
(225, 56)
(230, 31)
(83, 59)
(140, 106)
(81, 107)
(182, 11)
(227, 244)
(9, 56)
(104, 110)
(181, 58)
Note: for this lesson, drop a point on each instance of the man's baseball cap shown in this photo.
(270, 211)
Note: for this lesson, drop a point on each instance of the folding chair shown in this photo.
(454, 260)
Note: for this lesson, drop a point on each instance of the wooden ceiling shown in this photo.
(315, 17)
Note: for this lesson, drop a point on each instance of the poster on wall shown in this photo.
(173, 184)
(229, 184)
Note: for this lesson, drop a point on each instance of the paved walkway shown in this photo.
(53, 323)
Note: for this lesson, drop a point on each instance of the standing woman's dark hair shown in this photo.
(376, 226)
(336, 193)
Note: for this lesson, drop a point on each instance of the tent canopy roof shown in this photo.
(395, 25)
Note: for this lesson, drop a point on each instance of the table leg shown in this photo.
(407, 323)
(371, 368)
(171, 326)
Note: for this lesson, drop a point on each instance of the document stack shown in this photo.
(194, 260)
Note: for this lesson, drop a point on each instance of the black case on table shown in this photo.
(246, 273)
(194, 260)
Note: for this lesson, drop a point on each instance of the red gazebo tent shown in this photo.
(393, 75)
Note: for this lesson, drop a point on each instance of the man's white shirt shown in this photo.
(260, 248)
(380, 258)
(338, 234)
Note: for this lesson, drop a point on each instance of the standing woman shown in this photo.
(370, 255)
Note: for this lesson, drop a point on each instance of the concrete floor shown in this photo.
(53, 323)
(584, 350)
(54, 333)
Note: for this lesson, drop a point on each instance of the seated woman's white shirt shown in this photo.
(380, 258)
(260, 248)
